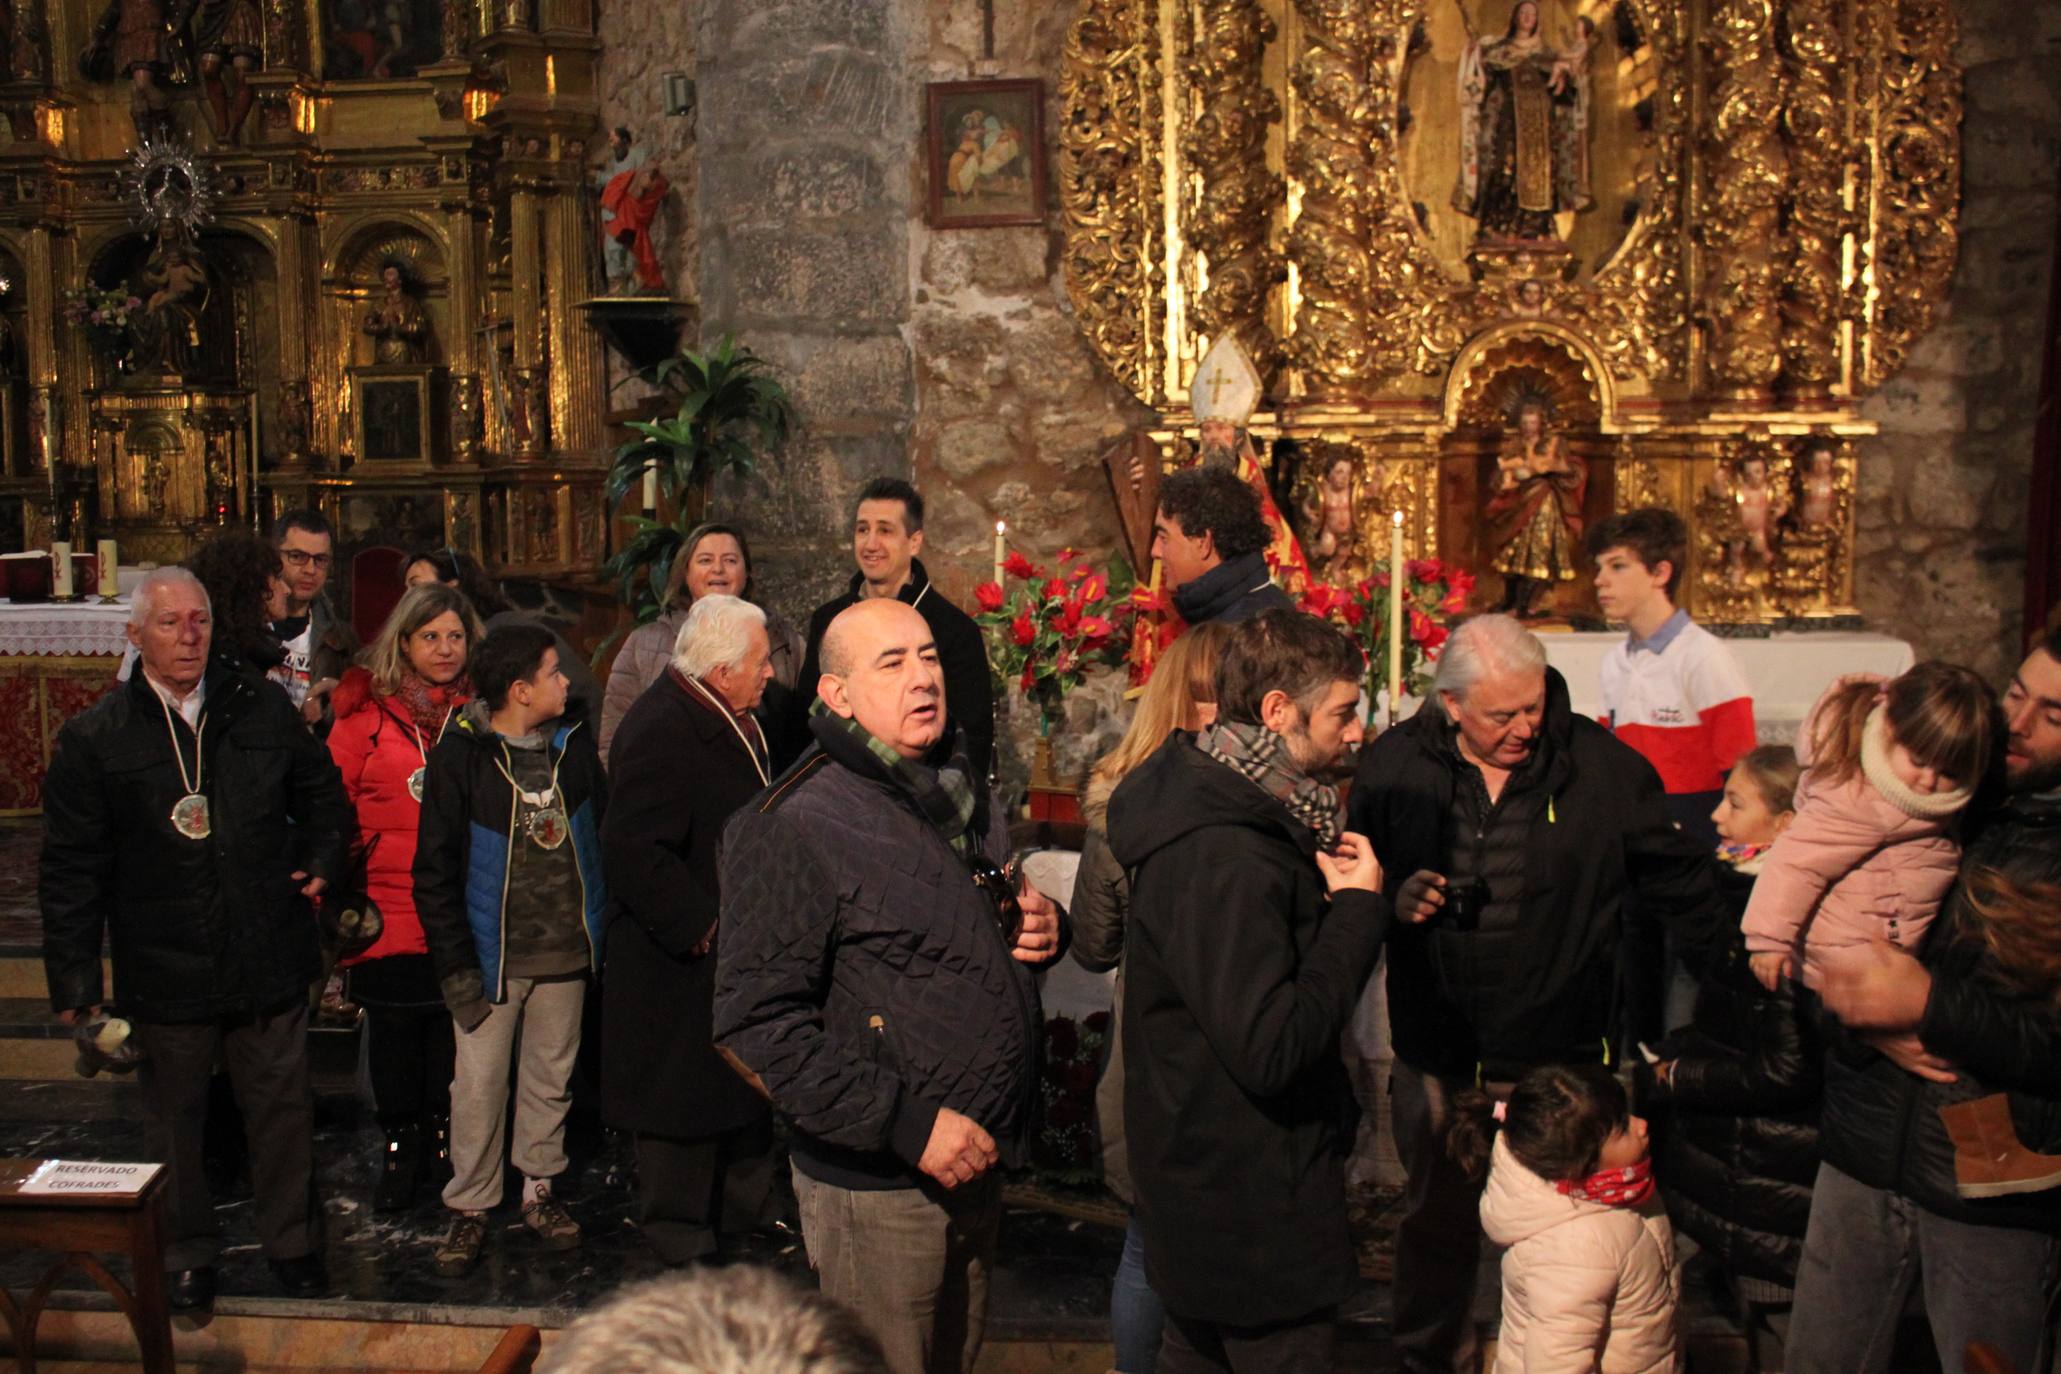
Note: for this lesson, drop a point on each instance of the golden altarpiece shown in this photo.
(340, 268)
(1509, 267)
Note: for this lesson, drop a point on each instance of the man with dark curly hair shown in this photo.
(1211, 539)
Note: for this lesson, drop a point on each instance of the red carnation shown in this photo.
(1023, 629)
(1054, 589)
(1016, 565)
(989, 596)
(1355, 614)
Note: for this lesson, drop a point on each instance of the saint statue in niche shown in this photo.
(133, 42)
(1534, 513)
(1820, 489)
(1524, 128)
(174, 287)
(1334, 541)
(229, 31)
(396, 324)
(632, 188)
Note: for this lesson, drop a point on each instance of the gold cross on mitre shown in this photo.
(1226, 385)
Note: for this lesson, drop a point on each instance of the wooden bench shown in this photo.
(77, 1229)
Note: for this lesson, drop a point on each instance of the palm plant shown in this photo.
(730, 411)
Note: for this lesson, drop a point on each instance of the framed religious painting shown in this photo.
(393, 414)
(985, 153)
(380, 40)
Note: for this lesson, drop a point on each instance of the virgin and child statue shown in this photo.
(1534, 511)
(1524, 130)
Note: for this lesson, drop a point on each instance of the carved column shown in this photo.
(527, 200)
(1745, 171)
(1332, 159)
(1227, 212)
(1816, 142)
(575, 349)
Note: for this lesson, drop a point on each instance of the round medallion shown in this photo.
(190, 816)
(416, 782)
(548, 828)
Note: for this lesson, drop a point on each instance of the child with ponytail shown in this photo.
(1589, 1277)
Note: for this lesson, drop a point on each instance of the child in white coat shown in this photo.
(1589, 1277)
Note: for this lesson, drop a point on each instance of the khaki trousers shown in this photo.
(540, 1022)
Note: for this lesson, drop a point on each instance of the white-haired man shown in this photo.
(687, 755)
(1517, 838)
(190, 818)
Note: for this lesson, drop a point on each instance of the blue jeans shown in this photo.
(1864, 1249)
(1136, 1317)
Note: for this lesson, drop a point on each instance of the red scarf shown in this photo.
(427, 706)
(1630, 1186)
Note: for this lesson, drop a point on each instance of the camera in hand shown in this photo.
(1464, 904)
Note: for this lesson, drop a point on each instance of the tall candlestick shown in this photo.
(109, 581)
(1001, 549)
(651, 489)
(61, 569)
(1396, 581)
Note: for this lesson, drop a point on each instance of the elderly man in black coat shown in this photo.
(685, 757)
(188, 819)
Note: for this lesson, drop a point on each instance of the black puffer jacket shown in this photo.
(1737, 1126)
(1234, 590)
(865, 979)
(1239, 976)
(1602, 837)
(1882, 1125)
(198, 928)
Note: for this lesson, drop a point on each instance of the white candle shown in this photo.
(108, 581)
(651, 488)
(61, 569)
(1396, 579)
(1001, 548)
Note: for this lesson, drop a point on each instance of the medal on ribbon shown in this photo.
(190, 817)
(416, 782)
(548, 828)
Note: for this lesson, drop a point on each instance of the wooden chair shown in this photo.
(516, 1353)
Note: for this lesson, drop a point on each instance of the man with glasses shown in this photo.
(319, 645)
(874, 978)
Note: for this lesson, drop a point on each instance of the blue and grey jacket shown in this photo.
(464, 845)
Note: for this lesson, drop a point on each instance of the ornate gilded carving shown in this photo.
(1331, 157)
(1638, 484)
(1745, 172)
(28, 49)
(1109, 188)
(468, 419)
(1230, 200)
(1913, 181)
(1815, 137)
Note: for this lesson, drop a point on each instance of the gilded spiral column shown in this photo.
(1108, 187)
(1745, 174)
(1231, 196)
(1331, 159)
(1815, 139)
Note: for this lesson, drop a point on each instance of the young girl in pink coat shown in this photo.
(1590, 1282)
(1888, 770)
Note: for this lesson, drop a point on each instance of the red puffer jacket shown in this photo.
(376, 746)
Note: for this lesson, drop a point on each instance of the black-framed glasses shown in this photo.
(301, 558)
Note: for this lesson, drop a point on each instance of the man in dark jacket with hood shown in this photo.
(1211, 538)
(1254, 922)
(1951, 1025)
(189, 818)
(887, 534)
(1517, 838)
(875, 984)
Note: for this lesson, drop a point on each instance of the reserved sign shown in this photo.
(74, 1176)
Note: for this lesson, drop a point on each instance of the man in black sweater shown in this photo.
(1210, 536)
(887, 536)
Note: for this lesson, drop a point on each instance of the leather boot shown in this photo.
(1989, 1161)
(400, 1169)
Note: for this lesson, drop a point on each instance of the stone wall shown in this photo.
(952, 357)
(1941, 548)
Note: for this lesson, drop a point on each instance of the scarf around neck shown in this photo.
(943, 794)
(428, 707)
(1261, 757)
(1924, 806)
(1630, 1186)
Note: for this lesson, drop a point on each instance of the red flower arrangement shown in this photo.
(1047, 629)
(1430, 589)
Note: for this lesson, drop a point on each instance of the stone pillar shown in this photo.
(810, 121)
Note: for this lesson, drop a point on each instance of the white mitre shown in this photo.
(1226, 386)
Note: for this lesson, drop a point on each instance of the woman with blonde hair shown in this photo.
(1181, 696)
(390, 712)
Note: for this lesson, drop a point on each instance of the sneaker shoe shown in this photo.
(553, 1225)
(460, 1248)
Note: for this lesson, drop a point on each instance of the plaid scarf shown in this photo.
(1261, 757)
(428, 706)
(1626, 1187)
(943, 793)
